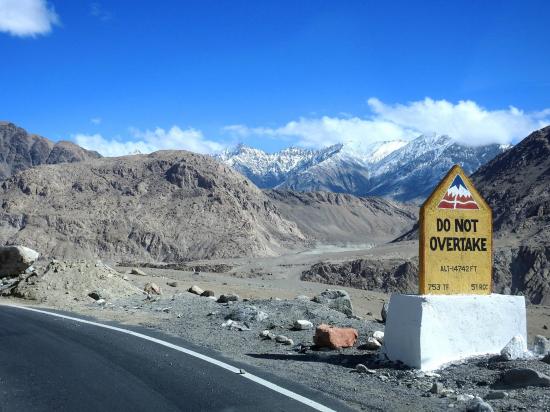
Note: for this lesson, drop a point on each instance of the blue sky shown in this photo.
(120, 76)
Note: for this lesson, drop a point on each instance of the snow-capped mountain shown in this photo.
(406, 171)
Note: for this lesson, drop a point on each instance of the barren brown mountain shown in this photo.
(20, 150)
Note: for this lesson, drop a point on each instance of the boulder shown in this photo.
(379, 336)
(492, 395)
(336, 299)
(302, 325)
(515, 349)
(172, 284)
(195, 290)
(15, 260)
(208, 293)
(267, 334)
(541, 345)
(360, 368)
(303, 298)
(228, 298)
(139, 272)
(247, 313)
(478, 405)
(371, 344)
(523, 377)
(437, 388)
(546, 359)
(95, 295)
(152, 289)
(334, 338)
(284, 340)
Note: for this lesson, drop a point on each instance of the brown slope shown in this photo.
(167, 206)
(20, 150)
(328, 217)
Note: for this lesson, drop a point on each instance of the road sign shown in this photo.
(456, 239)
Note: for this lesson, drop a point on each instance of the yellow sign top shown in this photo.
(456, 239)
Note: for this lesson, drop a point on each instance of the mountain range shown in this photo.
(401, 170)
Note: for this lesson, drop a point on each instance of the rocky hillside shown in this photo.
(167, 206)
(20, 150)
(341, 218)
(517, 186)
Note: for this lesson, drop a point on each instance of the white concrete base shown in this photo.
(429, 331)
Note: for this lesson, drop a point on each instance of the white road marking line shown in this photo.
(254, 378)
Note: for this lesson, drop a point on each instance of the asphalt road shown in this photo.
(53, 364)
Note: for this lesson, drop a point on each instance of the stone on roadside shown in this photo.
(247, 313)
(228, 298)
(371, 344)
(478, 405)
(284, 340)
(152, 289)
(95, 295)
(360, 368)
(379, 336)
(515, 349)
(172, 284)
(541, 345)
(334, 338)
(384, 311)
(303, 298)
(208, 293)
(336, 299)
(523, 377)
(437, 388)
(15, 260)
(267, 334)
(139, 272)
(302, 324)
(195, 290)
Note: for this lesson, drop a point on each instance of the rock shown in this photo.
(247, 313)
(478, 405)
(546, 359)
(15, 260)
(436, 388)
(379, 336)
(545, 327)
(541, 345)
(284, 340)
(267, 334)
(336, 299)
(371, 344)
(195, 290)
(100, 301)
(172, 284)
(515, 349)
(228, 298)
(94, 295)
(139, 272)
(384, 311)
(464, 397)
(496, 395)
(208, 293)
(523, 377)
(152, 289)
(303, 298)
(334, 338)
(302, 325)
(363, 369)
(231, 324)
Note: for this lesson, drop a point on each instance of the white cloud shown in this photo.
(27, 18)
(149, 141)
(96, 120)
(466, 122)
(97, 10)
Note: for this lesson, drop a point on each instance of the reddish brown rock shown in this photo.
(335, 338)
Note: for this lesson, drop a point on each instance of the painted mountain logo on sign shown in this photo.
(458, 196)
